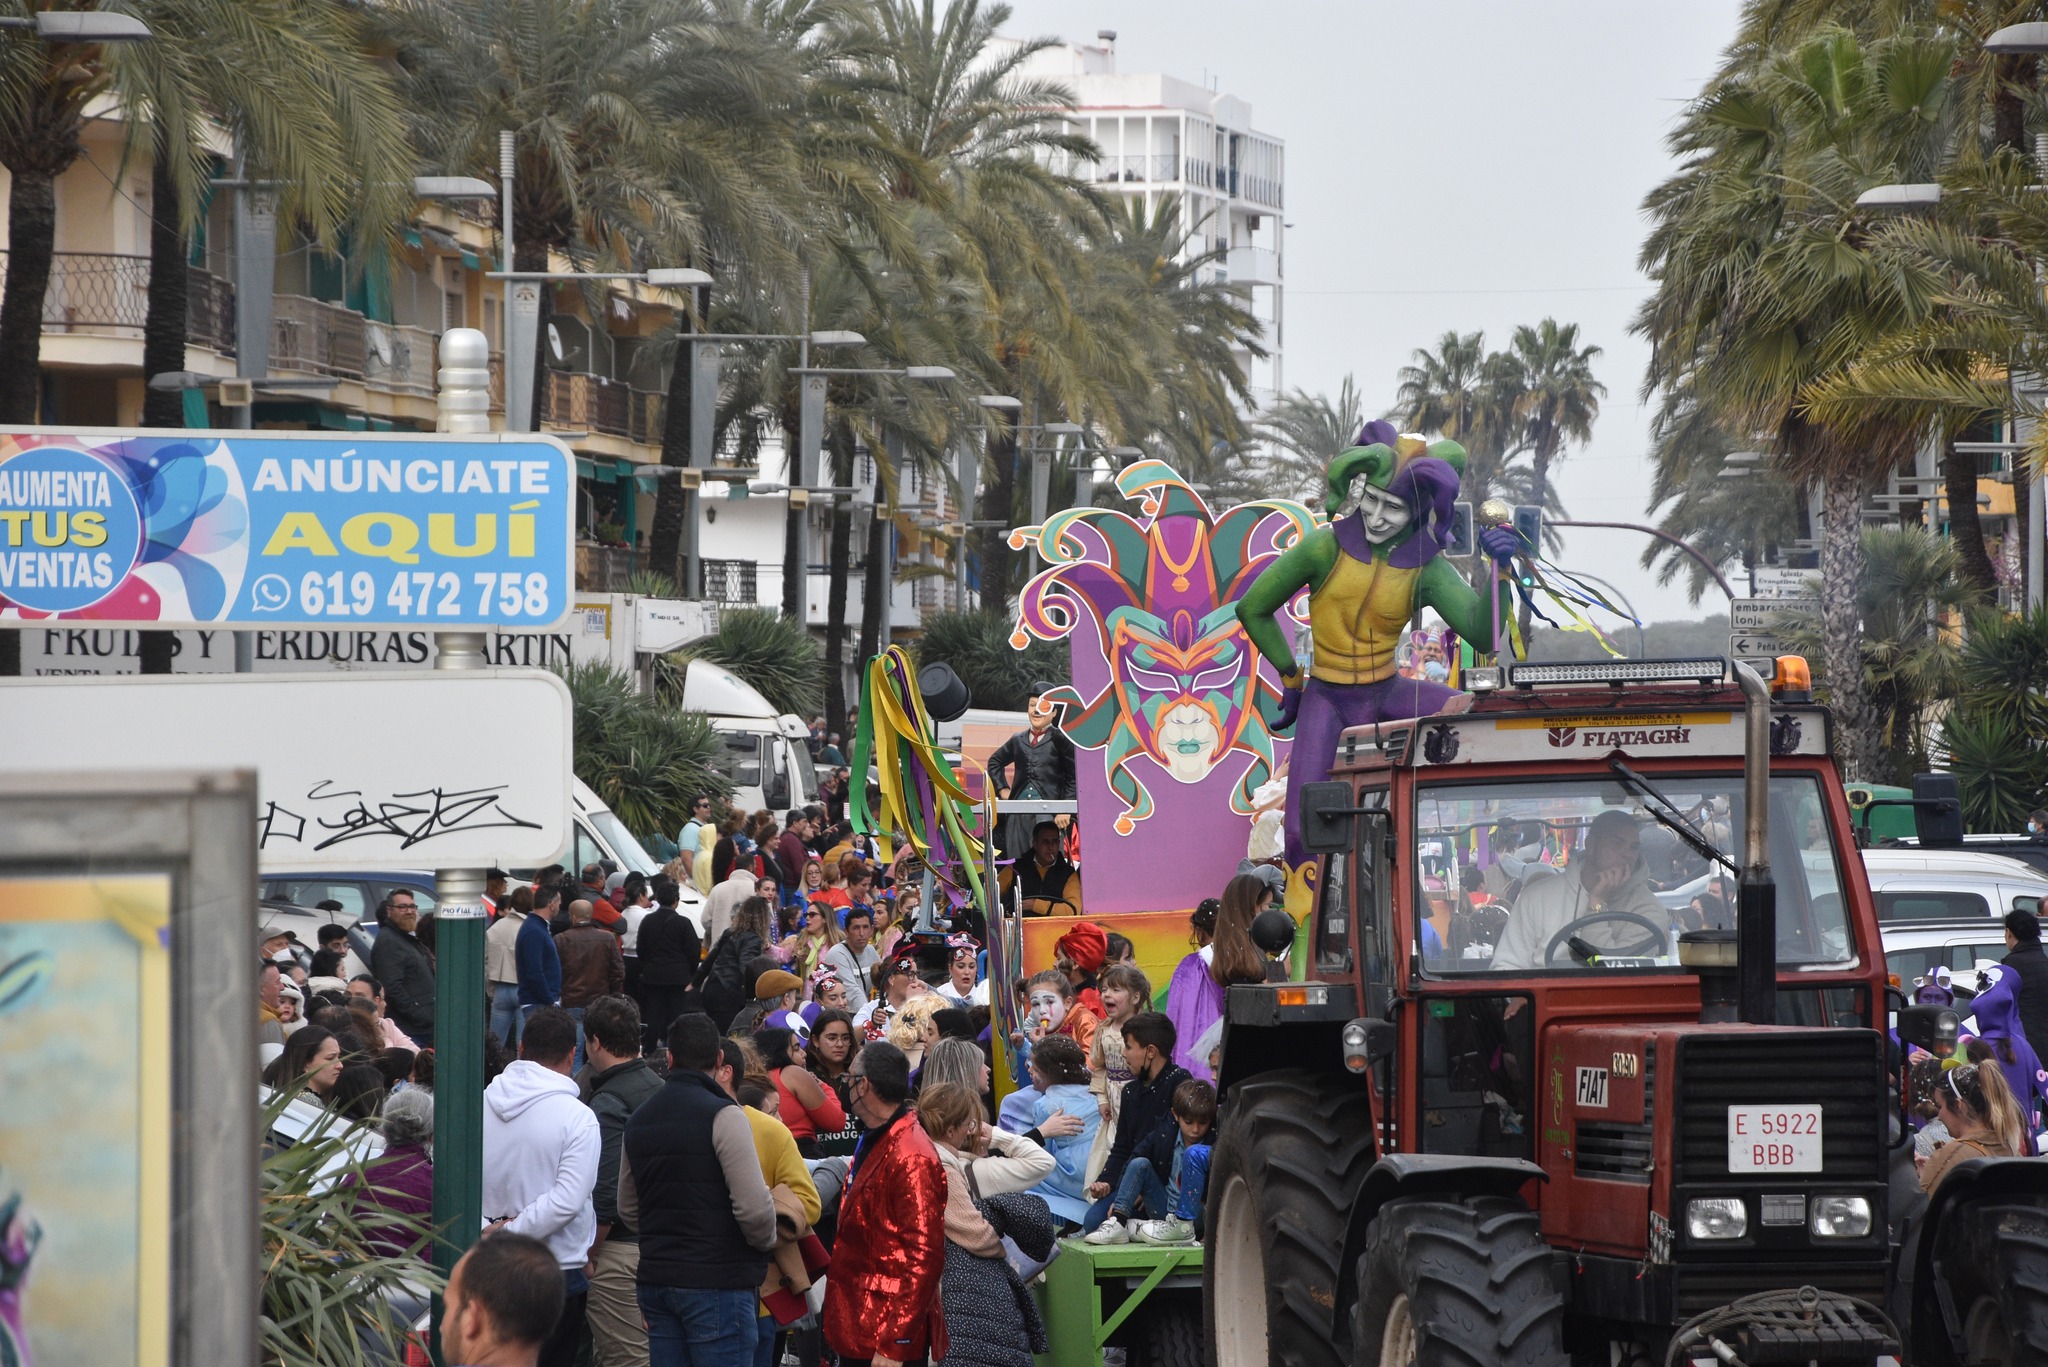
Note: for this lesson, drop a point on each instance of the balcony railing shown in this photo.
(399, 359)
(587, 401)
(603, 569)
(324, 338)
(729, 581)
(209, 311)
(1138, 166)
(95, 294)
(648, 413)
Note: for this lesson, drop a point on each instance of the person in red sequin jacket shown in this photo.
(882, 1296)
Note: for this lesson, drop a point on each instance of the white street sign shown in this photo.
(454, 769)
(1778, 581)
(1748, 616)
(1745, 646)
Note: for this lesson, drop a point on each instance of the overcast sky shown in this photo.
(1469, 165)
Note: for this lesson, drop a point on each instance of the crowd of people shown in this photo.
(771, 1136)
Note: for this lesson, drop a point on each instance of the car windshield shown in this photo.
(632, 858)
(1565, 876)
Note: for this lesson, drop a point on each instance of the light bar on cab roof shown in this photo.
(1705, 670)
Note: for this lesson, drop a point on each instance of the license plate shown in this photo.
(1774, 1139)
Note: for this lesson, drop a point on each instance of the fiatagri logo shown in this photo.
(1601, 734)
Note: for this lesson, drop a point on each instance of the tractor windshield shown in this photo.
(1576, 875)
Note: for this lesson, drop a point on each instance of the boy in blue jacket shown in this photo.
(1159, 1164)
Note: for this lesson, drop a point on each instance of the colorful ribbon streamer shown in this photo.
(921, 796)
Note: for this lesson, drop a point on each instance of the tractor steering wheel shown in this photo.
(1654, 944)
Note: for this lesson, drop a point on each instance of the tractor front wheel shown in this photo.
(1457, 1284)
(1291, 1152)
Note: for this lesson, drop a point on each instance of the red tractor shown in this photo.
(1596, 1061)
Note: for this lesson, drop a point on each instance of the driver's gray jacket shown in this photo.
(1550, 904)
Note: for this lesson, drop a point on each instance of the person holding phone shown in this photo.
(1607, 876)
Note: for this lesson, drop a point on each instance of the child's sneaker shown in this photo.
(1168, 1231)
(1111, 1231)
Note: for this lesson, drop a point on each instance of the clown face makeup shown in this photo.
(1383, 515)
(1049, 1006)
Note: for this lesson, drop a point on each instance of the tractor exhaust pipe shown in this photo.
(1756, 898)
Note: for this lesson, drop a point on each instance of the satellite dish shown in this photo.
(380, 342)
(568, 342)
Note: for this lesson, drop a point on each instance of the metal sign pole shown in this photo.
(464, 400)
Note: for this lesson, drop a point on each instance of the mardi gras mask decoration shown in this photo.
(1184, 686)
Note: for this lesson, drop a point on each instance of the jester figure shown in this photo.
(1368, 571)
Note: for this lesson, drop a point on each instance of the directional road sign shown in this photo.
(1752, 616)
(1745, 645)
(1782, 581)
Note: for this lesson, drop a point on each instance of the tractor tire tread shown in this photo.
(1477, 1276)
(1304, 1141)
(2016, 1237)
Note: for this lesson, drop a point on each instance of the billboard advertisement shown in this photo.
(85, 1134)
(275, 529)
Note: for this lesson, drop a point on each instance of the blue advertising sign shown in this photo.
(283, 529)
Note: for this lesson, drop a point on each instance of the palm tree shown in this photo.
(1310, 431)
(1156, 305)
(1470, 395)
(1767, 286)
(950, 99)
(1725, 519)
(1908, 597)
(44, 92)
(1447, 390)
(586, 89)
(310, 110)
(1556, 397)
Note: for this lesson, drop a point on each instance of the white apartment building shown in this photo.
(1160, 135)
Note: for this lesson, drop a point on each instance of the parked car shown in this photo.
(1950, 884)
(2026, 849)
(360, 891)
(1914, 950)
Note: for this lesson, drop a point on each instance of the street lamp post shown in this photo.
(81, 26)
(803, 463)
(998, 406)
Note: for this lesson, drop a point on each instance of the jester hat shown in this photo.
(1380, 454)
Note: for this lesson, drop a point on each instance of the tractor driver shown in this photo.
(1608, 876)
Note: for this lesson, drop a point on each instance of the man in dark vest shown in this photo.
(705, 1228)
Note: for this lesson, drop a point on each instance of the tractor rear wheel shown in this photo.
(1291, 1151)
(2006, 1323)
(1457, 1284)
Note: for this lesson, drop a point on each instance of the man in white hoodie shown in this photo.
(540, 1163)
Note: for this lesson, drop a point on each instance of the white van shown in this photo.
(1950, 884)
